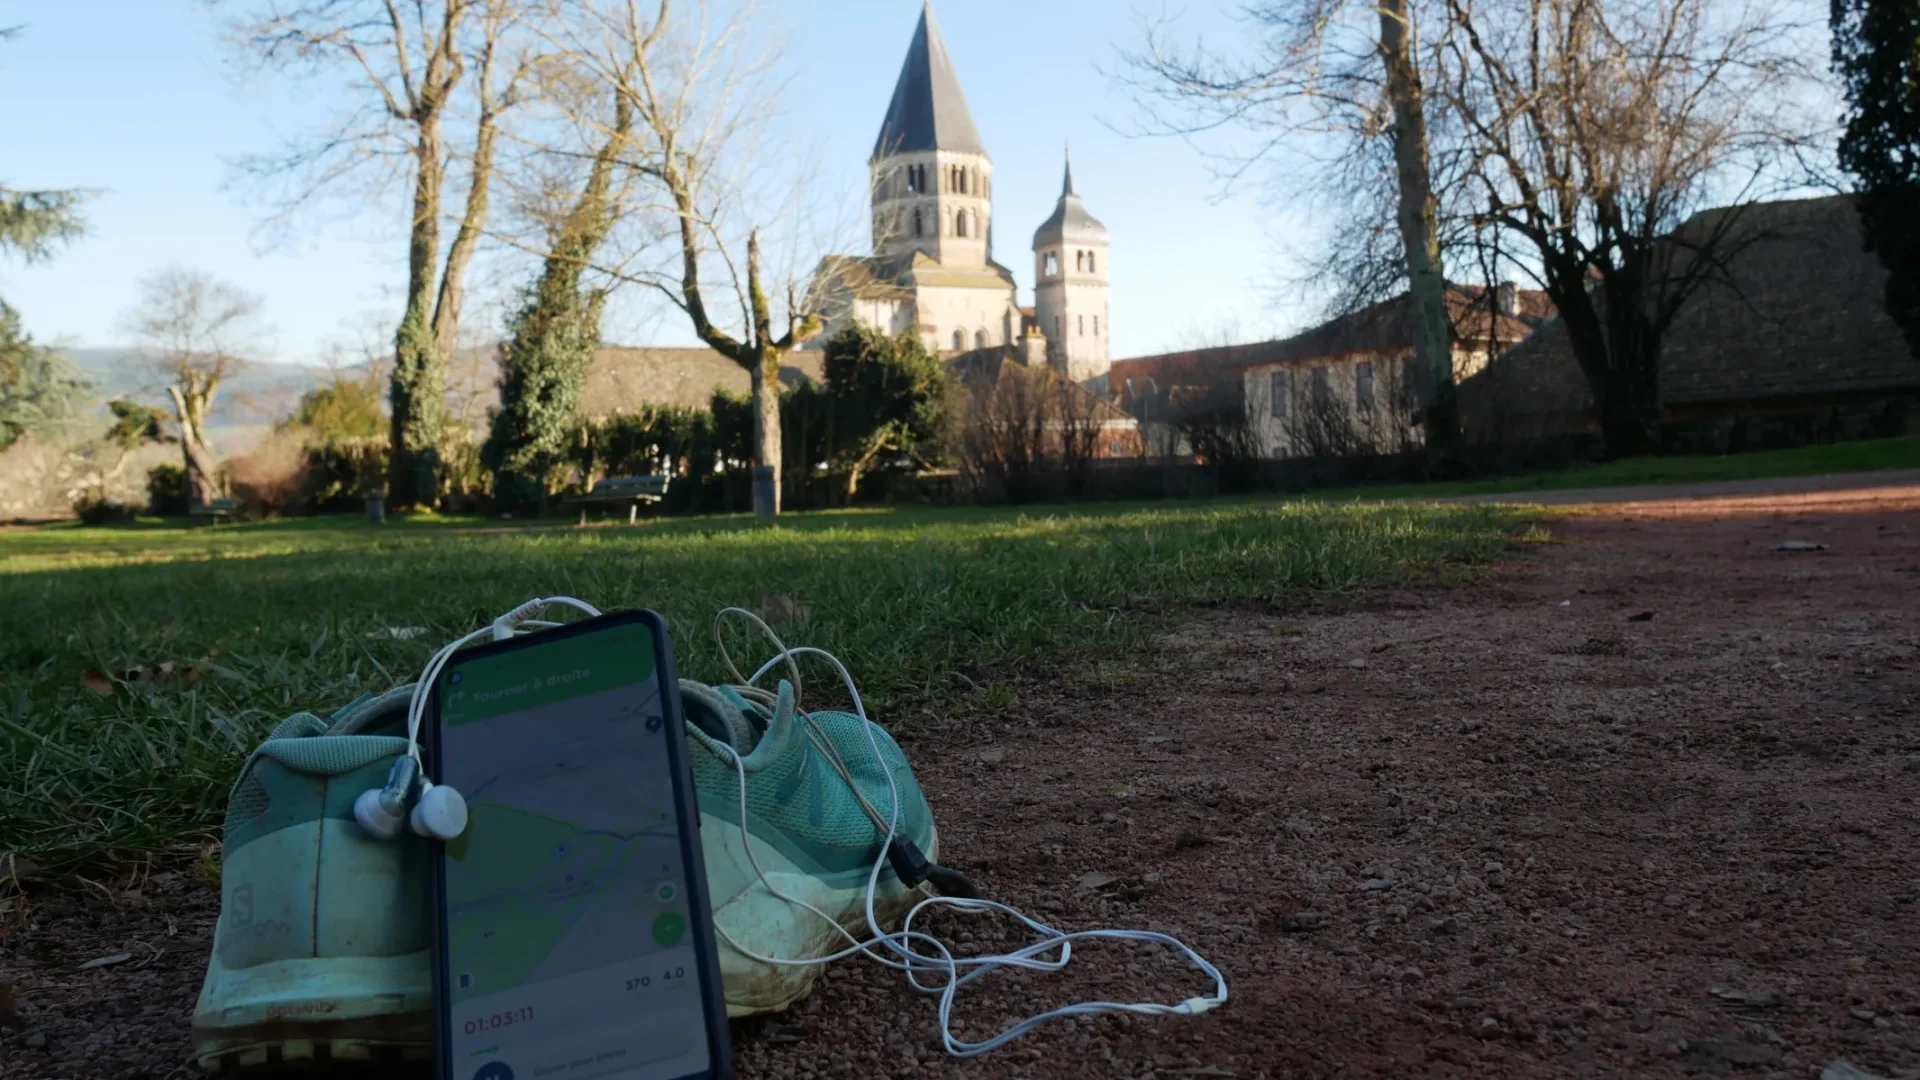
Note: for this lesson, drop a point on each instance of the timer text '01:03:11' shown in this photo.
(500, 1020)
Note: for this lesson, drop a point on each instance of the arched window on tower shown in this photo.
(959, 340)
(1053, 264)
(919, 224)
(979, 339)
(1090, 262)
(960, 224)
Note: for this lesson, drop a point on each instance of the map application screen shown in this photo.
(567, 950)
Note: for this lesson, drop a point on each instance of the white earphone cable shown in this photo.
(954, 971)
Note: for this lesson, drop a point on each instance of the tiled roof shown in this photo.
(625, 379)
(928, 111)
(1802, 315)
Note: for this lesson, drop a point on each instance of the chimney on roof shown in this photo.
(1033, 348)
(1506, 299)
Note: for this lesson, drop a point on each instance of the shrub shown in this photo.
(167, 490)
(93, 510)
(271, 477)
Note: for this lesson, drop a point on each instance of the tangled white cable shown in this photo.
(944, 962)
(382, 807)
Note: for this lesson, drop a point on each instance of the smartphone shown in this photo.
(572, 936)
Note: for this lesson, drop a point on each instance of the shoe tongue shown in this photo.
(721, 713)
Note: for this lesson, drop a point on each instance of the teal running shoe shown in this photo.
(813, 839)
(321, 952)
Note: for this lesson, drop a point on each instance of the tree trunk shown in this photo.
(419, 369)
(446, 310)
(1630, 410)
(1417, 215)
(765, 377)
(190, 410)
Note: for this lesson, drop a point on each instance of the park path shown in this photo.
(1640, 802)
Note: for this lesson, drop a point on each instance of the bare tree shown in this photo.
(1593, 132)
(196, 331)
(699, 85)
(1324, 68)
(408, 64)
(1029, 433)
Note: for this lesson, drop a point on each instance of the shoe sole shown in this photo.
(298, 1044)
(263, 1023)
(310, 1011)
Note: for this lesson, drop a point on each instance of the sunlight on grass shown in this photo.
(925, 607)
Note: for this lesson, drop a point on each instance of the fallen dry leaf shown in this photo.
(779, 610)
(97, 681)
(107, 961)
(13, 867)
(1096, 880)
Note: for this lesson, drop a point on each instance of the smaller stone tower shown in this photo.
(1070, 290)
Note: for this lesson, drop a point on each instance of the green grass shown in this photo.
(1868, 455)
(932, 610)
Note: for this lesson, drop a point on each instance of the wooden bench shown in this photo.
(212, 512)
(631, 490)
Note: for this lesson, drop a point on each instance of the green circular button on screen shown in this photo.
(667, 928)
(666, 893)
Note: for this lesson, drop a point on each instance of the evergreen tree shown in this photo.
(554, 335)
(40, 390)
(887, 395)
(1876, 51)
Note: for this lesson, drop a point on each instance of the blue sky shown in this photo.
(132, 98)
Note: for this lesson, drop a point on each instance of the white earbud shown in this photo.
(440, 813)
(379, 820)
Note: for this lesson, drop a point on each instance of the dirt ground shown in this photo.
(1638, 803)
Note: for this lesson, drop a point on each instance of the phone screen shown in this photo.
(567, 953)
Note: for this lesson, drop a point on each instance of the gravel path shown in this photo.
(1639, 803)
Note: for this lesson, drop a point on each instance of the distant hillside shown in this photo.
(247, 405)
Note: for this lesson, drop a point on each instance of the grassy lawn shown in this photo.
(1868, 455)
(930, 609)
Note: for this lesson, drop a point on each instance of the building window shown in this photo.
(919, 223)
(1053, 264)
(1363, 386)
(1277, 394)
(1089, 262)
(1322, 388)
(1083, 326)
(1096, 326)
(979, 339)
(959, 340)
(1079, 260)
(960, 223)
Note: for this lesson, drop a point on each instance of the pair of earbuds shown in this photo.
(437, 811)
(409, 799)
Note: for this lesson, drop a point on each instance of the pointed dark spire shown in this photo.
(928, 111)
(1070, 220)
